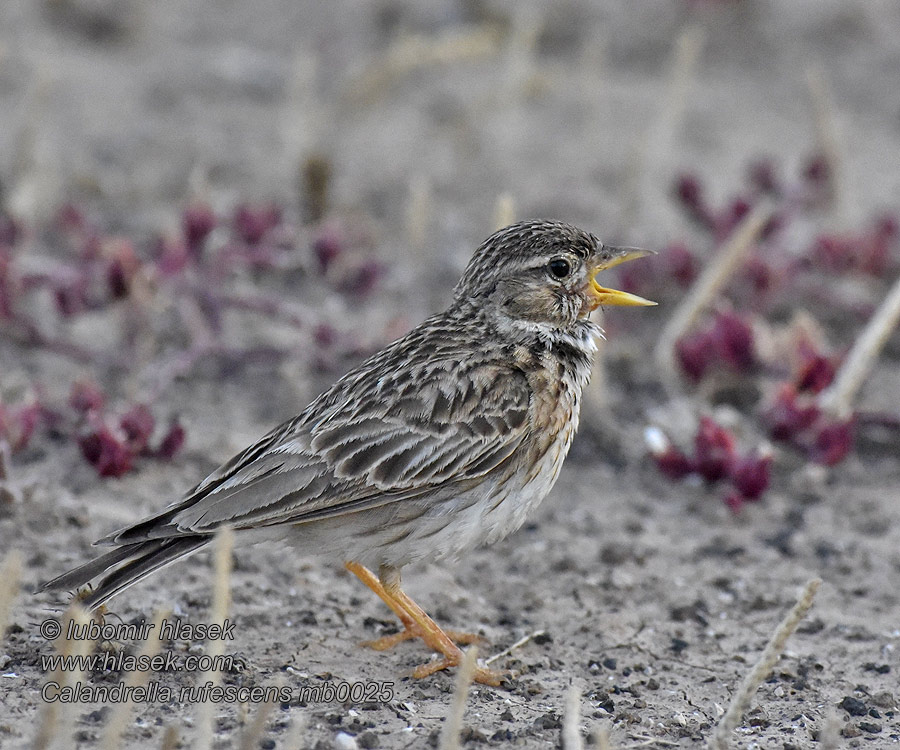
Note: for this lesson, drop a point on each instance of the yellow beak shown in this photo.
(601, 295)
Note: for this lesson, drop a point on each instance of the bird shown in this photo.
(441, 442)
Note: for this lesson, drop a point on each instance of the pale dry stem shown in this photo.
(507, 651)
(571, 731)
(706, 287)
(837, 399)
(601, 738)
(419, 211)
(10, 573)
(115, 727)
(55, 716)
(224, 544)
(652, 143)
(504, 211)
(453, 725)
(293, 736)
(26, 173)
(413, 52)
(720, 738)
(520, 51)
(830, 733)
(250, 739)
(303, 114)
(828, 137)
(170, 738)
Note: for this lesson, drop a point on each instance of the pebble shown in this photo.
(346, 741)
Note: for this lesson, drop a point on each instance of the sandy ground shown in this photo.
(650, 597)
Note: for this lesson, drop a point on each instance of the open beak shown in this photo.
(601, 295)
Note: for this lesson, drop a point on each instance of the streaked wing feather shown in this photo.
(406, 435)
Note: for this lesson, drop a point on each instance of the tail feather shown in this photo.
(140, 560)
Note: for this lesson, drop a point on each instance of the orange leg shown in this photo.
(417, 623)
(410, 628)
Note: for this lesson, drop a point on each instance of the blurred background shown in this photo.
(400, 134)
(135, 108)
(211, 210)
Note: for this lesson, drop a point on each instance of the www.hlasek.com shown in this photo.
(61, 688)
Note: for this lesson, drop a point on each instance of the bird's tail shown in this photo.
(125, 565)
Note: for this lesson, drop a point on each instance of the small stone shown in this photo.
(470, 734)
(870, 726)
(679, 645)
(345, 741)
(884, 699)
(548, 721)
(853, 706)
(368, 740)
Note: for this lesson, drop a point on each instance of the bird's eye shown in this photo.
(559, 268)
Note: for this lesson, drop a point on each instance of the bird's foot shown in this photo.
(484, 675)
(417, 624)
(412, 630)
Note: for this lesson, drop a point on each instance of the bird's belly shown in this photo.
(483, 515)
(450, 525)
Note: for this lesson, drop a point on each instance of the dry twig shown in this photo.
(828, 136)
(418, 212)
(224, 544)
(830, 733)
(571, 731)
(413, 52)
(170, 738)
(507, 651)
(504, 211)
(115, 727)
(705, 288)
(10, 574)
(838, 397)
(293, 737)
(453, 725)
(55, 716)
(252, 735)
(652, 144)
(741, 699)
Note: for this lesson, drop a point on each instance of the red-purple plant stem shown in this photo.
(268, 306)
(878, 419)
(837, 399)
(29, 334)
(272, 307)
(183, 362)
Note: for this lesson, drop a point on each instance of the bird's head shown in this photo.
(544, 273)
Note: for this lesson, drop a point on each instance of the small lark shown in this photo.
(442, 441)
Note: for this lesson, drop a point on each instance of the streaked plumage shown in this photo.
(440, 442)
